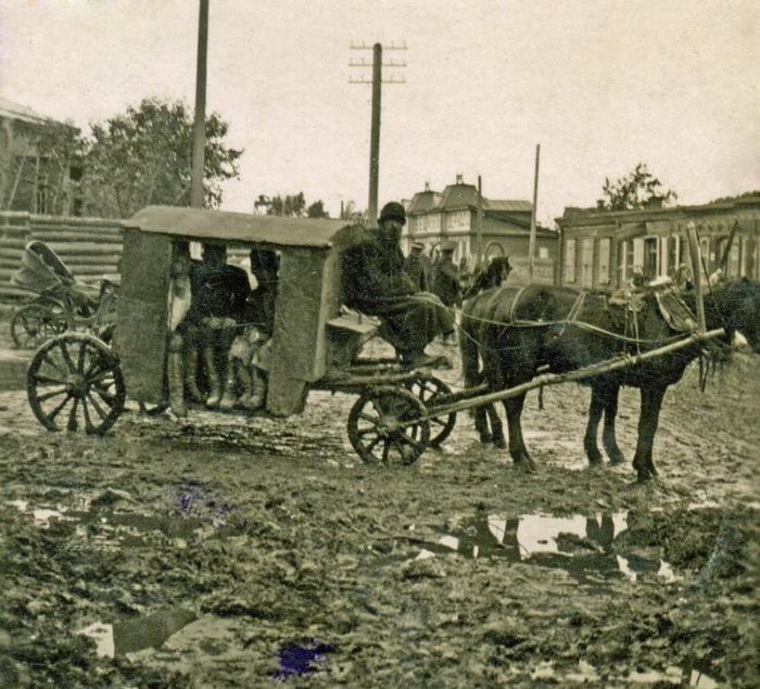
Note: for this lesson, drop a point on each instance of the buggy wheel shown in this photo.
(388, 425)
(37, 322)
(75, 380)
(431, 391)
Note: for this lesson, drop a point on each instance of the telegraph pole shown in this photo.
(532, 244)
(199, 124)
(374, 146)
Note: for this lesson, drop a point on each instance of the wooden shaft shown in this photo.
(696, 269)
(199, 124)
(572, 376)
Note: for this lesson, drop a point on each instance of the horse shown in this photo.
(560, 329)
(476, 300)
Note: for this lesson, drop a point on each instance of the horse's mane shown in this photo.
(491, 276)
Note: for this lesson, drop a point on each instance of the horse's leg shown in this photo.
(497, 429)
(595, 410)
(481, 425)
(609, 439)
(520, 454)
(651, 401)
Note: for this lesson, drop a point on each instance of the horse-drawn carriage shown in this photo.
(78, 382)
(62, 302)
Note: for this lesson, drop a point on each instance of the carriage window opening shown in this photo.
(603, 266)
(570, 260)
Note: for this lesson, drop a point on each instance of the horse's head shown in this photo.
(493, 276)
(739, 305)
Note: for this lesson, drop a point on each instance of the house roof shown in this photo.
(199, 224)
(459, 196)
(15, 111)
(423, 201)
(508, 205)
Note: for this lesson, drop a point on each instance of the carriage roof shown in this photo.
(200, 224)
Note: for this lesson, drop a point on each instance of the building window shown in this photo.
(650, 258)
(543, 253)
(629, 259)
(570, 260)
(603, 265)
(674, 258)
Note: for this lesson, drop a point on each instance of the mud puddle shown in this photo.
(588, 548)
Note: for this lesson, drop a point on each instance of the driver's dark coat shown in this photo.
(217, 291)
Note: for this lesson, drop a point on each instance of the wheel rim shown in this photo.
(74, 382)
(430, 391)
(35, 324)
(389, 426)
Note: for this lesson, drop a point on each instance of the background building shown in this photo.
(453, 215)
(599, 249)
(29, 180)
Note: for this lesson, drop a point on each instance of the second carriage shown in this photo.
(78, 382)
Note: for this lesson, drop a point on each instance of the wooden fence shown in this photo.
(89, 247)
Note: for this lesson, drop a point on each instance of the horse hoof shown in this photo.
(500, 443)
(617, 460)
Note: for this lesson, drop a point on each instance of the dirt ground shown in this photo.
(234, 552)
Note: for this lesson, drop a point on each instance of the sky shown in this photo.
(600, 84)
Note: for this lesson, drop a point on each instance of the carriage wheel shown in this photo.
(429, 391)
(388, 425)
(75, 380)
(37, 322)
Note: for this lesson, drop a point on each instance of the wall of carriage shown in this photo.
(90, 247)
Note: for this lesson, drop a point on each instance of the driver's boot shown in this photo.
(176, 384)
(212, 377)
(191, 374)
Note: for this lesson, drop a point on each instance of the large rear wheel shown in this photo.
(388, 425)
(74, 382)
(37, 322)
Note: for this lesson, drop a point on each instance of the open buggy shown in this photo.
(78, 382)
(63, 302)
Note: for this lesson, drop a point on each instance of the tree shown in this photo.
(144, 157)
(633, 191)
(317, 210)
(352, 214)
(262, 201)
(288, 206)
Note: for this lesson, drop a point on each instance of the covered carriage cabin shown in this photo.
(312, 333)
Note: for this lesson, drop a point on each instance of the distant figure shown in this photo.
(446, 282)
(683, 278)
(418, 268)
(716, 277)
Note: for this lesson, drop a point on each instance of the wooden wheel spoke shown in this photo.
(48, 380)
(103, 393)
(87, 419)
(366, 417)
(51, 416)
(81, 358)
(367, 431)
(72, 425)
(98, 409)
(49, 395)
(66, 356)
(48, 360)
(100, 377)
(437, 421)
(406, 440)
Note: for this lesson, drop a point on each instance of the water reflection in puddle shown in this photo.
(583, 546)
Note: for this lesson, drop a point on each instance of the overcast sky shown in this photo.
(600, 84)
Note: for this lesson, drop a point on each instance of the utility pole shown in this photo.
(199, 124)
(480, 257)
(532, 245)
(377, 81)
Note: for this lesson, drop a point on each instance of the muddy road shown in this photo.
(232, 552)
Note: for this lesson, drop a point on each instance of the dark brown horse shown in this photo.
(476, 305)
(560, 329)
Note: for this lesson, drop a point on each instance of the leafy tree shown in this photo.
(289, 206)
(144, 157)
(352, 214)
(633, 191)
(317, 210)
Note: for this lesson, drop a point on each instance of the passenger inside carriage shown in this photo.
(246, 384)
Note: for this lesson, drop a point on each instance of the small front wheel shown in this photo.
(388, 425)
(75, 380)
(37, 322)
